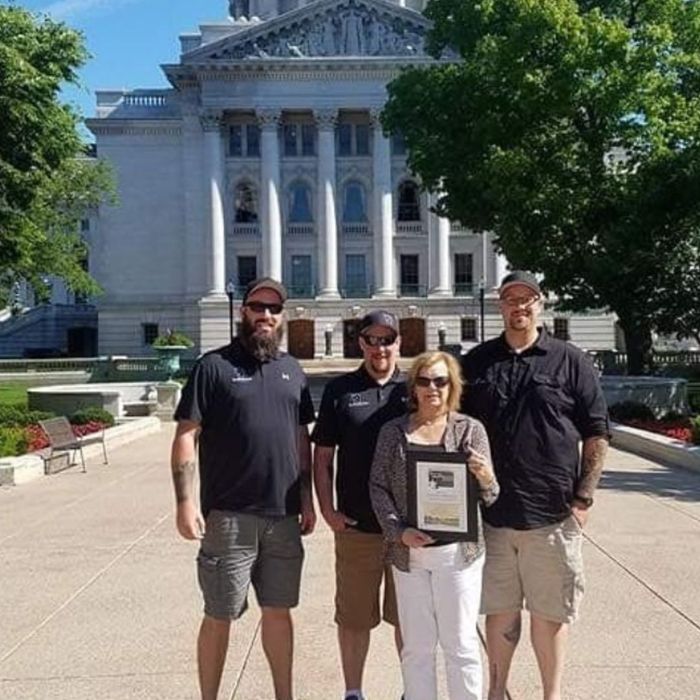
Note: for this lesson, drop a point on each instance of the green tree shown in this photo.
(570, 130)
(46, 183)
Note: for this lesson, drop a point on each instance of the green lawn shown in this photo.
(13, 392)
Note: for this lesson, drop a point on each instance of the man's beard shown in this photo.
(261, 347)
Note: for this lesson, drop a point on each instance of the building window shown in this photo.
(299, 140)
(244, 140)
(355, 276)
(245, 204)
(300, 203)
(468, 329)
(247, 269)
(409, 201)
(398, 144)
(409, 275)
(354, 203)
(561, 328)
(464, 277)
(301, 276)
(352, 139)
(150, 332)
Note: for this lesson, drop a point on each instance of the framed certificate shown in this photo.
(442, 495)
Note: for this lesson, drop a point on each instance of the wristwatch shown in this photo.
(586, 501)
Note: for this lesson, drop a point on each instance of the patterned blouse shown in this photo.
(388, 482)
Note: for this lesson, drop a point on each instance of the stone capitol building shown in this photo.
(266, 157)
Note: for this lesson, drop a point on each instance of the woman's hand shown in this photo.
(481, 468)
(415, 538)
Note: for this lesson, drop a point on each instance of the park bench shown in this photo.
(62, 439)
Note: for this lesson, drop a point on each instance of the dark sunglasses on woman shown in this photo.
(437, 382)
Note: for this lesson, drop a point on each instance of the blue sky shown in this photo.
(128, 39)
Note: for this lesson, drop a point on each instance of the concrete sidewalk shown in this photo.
(98, 595)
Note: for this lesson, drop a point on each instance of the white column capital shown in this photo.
(375, 117)
(326, 119)
(211, 119)
(269, 118)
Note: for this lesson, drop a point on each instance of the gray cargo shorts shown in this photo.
(239, 549)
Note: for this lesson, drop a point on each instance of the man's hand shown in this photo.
(581, 514)
(415, 538)
(307, 521)
(190, 523)
(337, 521)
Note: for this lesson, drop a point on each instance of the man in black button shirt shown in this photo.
(247, 407)
(353, 409)
(538, 398)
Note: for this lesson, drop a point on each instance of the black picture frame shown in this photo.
(424, 477)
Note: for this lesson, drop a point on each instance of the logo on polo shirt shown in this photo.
(356, 401)
(240, 376)
(285, 376)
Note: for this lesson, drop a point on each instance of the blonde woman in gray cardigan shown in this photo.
(438, 585)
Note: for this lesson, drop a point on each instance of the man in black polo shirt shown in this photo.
(353, 409)
(247, 407)
(538, 398)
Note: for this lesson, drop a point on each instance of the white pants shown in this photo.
(438, 601)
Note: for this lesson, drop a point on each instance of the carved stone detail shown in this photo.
(326, 119)
(269, 119)
(351, 29)
(211, 119)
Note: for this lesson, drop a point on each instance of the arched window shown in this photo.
(409, 201)
(246, 204)
(300, 203)
(354, 203)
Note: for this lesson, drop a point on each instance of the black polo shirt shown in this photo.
(536, 405)
(353, 409)
(250, 413)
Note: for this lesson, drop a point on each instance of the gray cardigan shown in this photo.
(388, 483)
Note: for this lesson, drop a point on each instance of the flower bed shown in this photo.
(680, 429)
(37, 440)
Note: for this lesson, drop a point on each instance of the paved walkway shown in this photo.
(98, 596)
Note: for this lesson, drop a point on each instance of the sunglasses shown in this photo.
(525, 302)
(379, 341)
(437, 382)
(260, 307)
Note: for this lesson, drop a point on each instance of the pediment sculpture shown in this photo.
(351, 29)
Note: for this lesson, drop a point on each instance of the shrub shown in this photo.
(13, 441)
(630, 410)
(18, 415)
(695, 429)
(173, 337)
(92, 415)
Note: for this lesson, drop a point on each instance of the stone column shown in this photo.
(443, 286)
(500, 264)
(383, 210)
(271, 218)
(325, 196)
(214, 174)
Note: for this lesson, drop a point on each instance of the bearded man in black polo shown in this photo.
(246, 406)
(353, 409)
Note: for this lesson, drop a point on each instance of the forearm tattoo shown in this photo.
(594, 451)
(183, 480)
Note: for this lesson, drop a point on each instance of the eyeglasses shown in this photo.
(260, 307)
(379, 341)
(526, 302)
(437, 382)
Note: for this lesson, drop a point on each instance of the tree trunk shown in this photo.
(639, 346)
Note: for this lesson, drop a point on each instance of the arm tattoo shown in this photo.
(183, 480)
(594, 450)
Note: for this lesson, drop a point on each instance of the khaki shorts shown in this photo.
(359, 571)
(240, 549)
(543, 566)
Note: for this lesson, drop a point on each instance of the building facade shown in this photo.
(266, 156)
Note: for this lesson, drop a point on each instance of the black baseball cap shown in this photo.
(380, 318)
(519, 277)
(265, 283)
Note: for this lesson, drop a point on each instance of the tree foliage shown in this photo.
(570, 130)
(46, 183)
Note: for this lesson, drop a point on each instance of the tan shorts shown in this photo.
(359, 571)
(543, 566)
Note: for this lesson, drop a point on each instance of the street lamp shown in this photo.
(482, 304)
(230, 291)
(442, 336)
